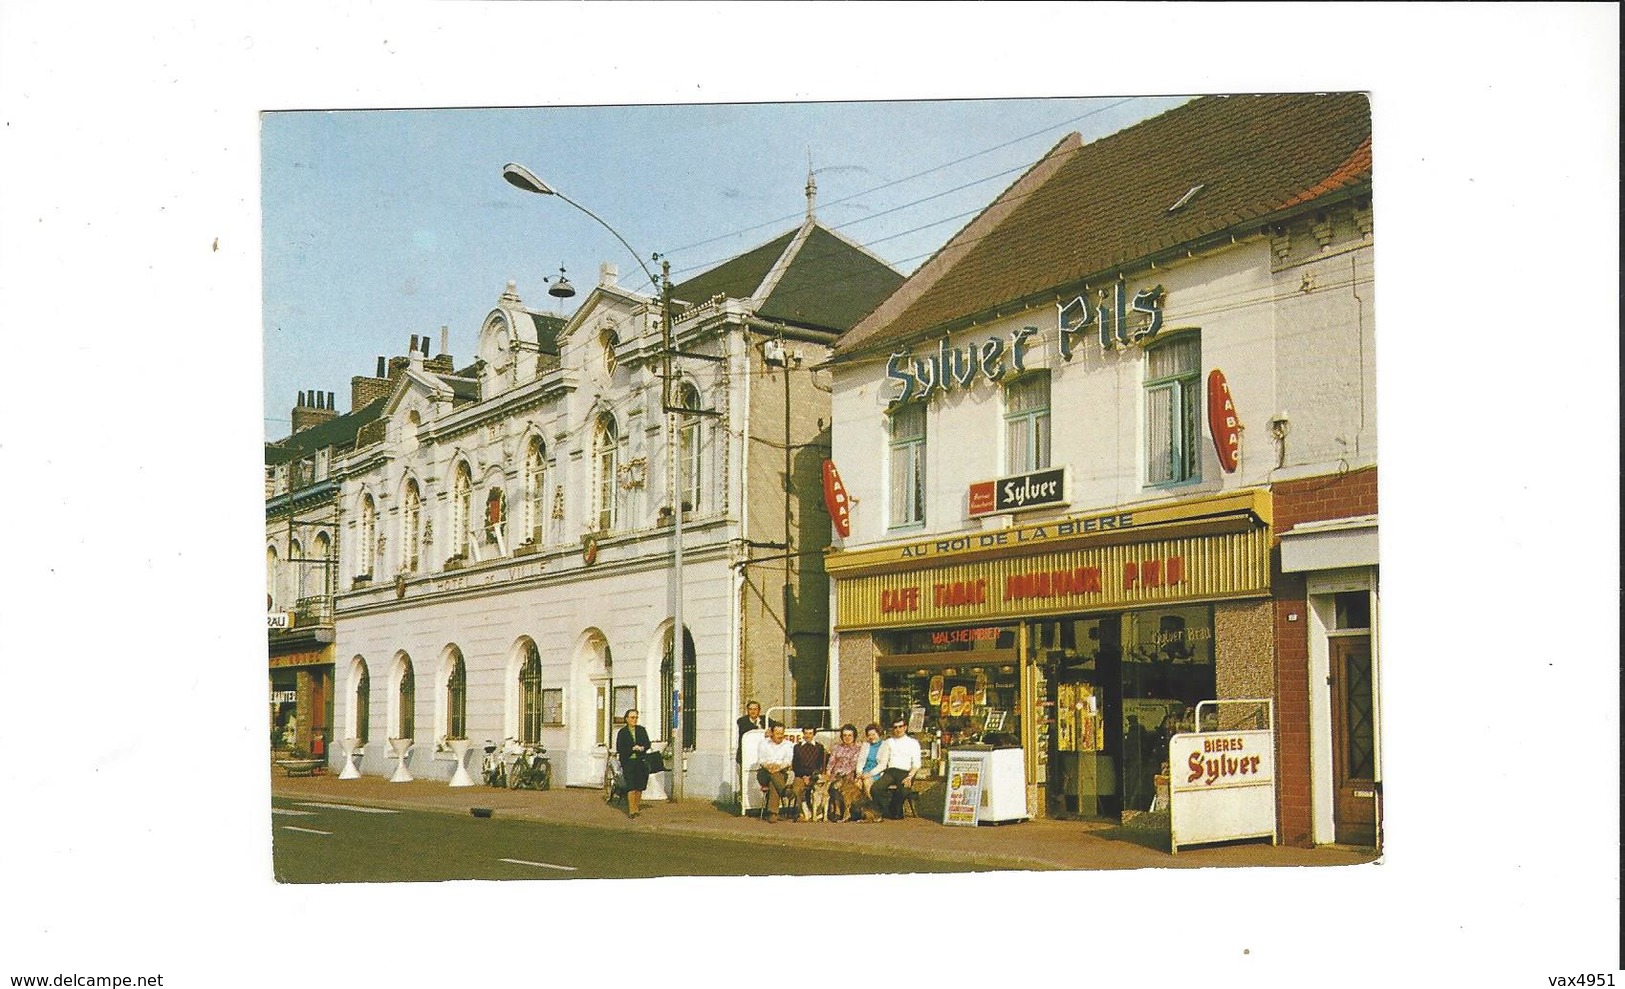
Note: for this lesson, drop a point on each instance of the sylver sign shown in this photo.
(1039, 489)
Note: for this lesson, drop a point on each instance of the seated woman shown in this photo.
(869, 768)
(844, 755)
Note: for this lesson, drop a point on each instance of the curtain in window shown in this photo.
(411, 527)
(1027, 432)
(457, 700)
(604, 454)
(461, 504)
(908, 465)
(535, 491)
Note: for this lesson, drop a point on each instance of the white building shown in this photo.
(1113, 452)
(508, 528)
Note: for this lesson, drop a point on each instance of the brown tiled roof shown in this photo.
(1085, 210)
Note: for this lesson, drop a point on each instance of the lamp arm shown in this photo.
(652, 279)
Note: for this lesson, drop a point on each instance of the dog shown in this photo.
(815, 803)
(852, 803)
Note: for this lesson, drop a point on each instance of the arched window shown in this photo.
(691, 706)
(406, 699)
(411, 527)
(273, 578)
(324, 576)
(363, 706)
(496, 518)
(689, 447)
(368, 533)
(462, 495)
(457, 698)
(605, 457)
(530, 696)
(535, 491)
(296, 571)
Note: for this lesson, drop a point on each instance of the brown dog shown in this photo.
(848, 801)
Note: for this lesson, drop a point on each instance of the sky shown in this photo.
(136, 300)
(384, 224)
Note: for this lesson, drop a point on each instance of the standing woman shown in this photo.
(632, 745)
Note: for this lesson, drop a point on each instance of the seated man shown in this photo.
(806, 762)
(774, 757)
(900, 760)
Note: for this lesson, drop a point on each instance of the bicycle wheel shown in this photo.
(516, 776)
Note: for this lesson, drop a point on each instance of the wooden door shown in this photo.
(1354, 751)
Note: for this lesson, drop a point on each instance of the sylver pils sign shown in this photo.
(1221, 786)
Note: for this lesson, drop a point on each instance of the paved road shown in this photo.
(317, 842)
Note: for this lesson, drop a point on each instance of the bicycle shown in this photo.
(494, 767)
(532, 769)
(614, 782)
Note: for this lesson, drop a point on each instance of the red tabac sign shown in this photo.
(836, 501)
(1222, 421)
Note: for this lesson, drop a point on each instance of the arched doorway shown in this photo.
(594, 710)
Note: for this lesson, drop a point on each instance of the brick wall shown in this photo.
(1309, 500)
(1292, 714)
(1334, 497)
(364, 391)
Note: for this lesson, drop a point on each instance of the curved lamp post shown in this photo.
(523, 178)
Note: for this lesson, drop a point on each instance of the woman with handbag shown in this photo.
(632, 746)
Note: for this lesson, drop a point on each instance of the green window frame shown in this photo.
(1027, 423)
(1173, 397)
(907, 429)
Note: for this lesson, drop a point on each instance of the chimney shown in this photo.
(309, 411)
(445, 339)
(364, 390)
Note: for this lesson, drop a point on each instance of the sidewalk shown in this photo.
(1026, 845)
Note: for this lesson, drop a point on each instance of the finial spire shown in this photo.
(812, 188)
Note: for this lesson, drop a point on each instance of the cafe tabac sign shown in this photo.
(1206, 549)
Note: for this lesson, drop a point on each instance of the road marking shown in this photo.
(295, 813)
(541, 865)
(358, 809)
(290, 827)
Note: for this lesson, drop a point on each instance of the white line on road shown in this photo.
(541, 865)
(357, 809)
(295, 813)
(290, 827)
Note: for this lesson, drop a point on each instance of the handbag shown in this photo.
(656, 762)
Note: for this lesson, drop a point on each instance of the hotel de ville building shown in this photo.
(1111, 454)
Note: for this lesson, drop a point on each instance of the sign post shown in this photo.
(1222, 783)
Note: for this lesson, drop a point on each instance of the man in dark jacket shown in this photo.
(805, 765)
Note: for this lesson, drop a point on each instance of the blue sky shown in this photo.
(381, 224)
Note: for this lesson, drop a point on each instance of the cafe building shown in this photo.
(1070, 449)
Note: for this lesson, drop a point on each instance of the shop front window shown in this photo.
(952, 686)
(1116, 687)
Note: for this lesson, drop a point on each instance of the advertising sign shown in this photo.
(1007, 495)
(836, 500)
(1222, 422)
(965, 775)
(1221, 785)
(277, 619)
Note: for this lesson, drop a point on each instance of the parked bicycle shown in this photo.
(531, 769)
(614, 782)
(494, 767)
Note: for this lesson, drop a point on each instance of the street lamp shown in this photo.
(523, 178)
